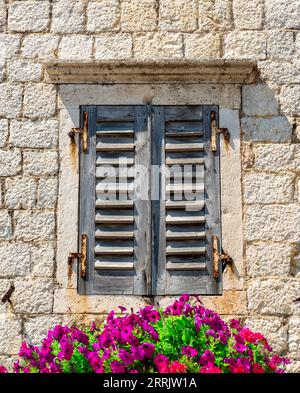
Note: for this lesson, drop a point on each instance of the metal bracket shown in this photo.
(226, 260)
(7, 295)
(84, 132)
(80, 256)
(215, 131)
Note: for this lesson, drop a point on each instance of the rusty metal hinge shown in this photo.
(81, 256)
(8, 293)
(84, 132)
(215, 131)
(217, 256)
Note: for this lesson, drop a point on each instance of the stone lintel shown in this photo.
(133, 71)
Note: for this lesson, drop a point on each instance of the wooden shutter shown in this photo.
(183, 229)
(118, 250)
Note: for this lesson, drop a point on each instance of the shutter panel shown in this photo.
(117, 225)
(184, 222)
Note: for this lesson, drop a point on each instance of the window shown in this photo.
(149, 201)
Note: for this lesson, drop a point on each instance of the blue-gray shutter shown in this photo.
(146, 247)
(182, 254)
(118, 257)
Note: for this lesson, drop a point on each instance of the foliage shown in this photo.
(182, 338)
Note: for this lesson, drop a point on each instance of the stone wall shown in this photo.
(33, 32)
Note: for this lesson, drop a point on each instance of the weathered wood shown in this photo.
(114, 161)
(115, 146)
(184, 147)
(185, 161)
(115, 132)
(113, 234)
(185, 134)
(107, 204)
(171, 235)
(181, 113)
(113, 250)
(115, 113)
(142, 209)
(190, 220)
(188, 205)
(186, 266)
(114, 265)
(185, 251)
(117, 219)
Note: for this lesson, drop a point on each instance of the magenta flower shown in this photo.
(3, 370)
(66, 349)
(147, 349)
(117, 367)
(126, 357)
(189, 351)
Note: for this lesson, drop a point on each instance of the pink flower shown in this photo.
(66, 349)
(117, 367)
(3, 370)
(177, 367)
(125, 357)
(189, 351)
(234, 324)
(207, 357)
(147, 349)
(210, 368)
(258, 369)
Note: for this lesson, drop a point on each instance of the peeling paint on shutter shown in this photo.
(187, 214)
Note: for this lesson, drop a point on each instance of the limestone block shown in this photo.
(282, 14)
(9, 45)
(24, 71)
(246, 45)
(272, 222)
(294, 367)
(199, 46)
(231, 302)
(178, 15)
(5, 225)
(139, 15)
(15, 259)
(103, 15)
(33, 296)
(40, 162)
(265, 259)
(272, 296)
(280, 45)
(3, 132)
(268, 188)
(67, 16)
(248, 14)
(294, 337)
(10, 334)
(259, 100)
(20, 192)
(76, 47)
(273, 129)
(273, 329)
(10, 162)
(28, 16)
(34, 134)
(47, 193)
(10, 100)
(215, 15)
(158, 46)
(280, 72)
(39, 100)
(290, 100)
(42, 46)
(2, 15)
(34, 225)
(68, 301)
(36, 328)
(113, 46)
(42, 260)
(277, 157)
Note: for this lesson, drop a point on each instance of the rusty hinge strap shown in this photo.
(84, 132)
(7, 295)
(215, 249)
(215, 130)
(81, 256)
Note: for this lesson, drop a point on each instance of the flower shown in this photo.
(177, 367)
(189, 351)
(126, 357)
(147, 349)
(207, 357)
(117, 367)
(258, 369)
(3, 370)
(234, 324)
(210, 368)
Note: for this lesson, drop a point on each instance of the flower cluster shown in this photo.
(185, 337)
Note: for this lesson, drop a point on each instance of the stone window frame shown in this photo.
(71, 97)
